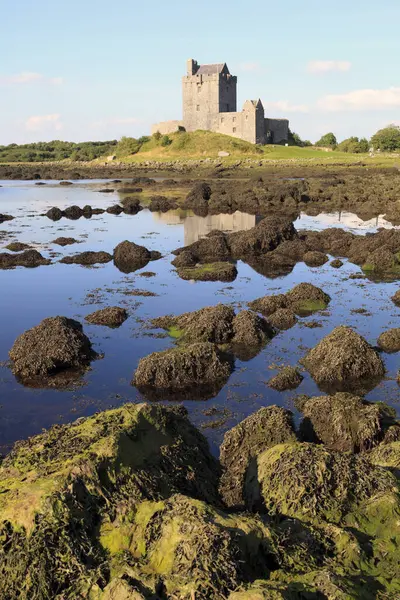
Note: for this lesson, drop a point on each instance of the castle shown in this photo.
(209, 102)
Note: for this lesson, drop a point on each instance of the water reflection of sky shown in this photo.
(28, 296)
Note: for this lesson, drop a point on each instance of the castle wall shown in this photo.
(276, 131)
(200, 101)
(227, 93)
(165, 127)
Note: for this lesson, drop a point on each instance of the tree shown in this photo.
(165, 140)
(354, 145)
(387, 139)
(295, 140)
(327, 140)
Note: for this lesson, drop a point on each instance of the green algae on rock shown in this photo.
(58, 489)
(302, 300)
(241, 445)
(218, 271)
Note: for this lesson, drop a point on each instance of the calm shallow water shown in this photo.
(29, 295)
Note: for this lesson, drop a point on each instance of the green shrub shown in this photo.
(327, 141)
(387, 139)
(354, 145)
(165, 140)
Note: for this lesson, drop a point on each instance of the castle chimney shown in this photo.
(191, 66)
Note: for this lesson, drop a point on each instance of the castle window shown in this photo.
(222, 119)
(247, 116)
(233, 119)
(234, 130)
(198, 107)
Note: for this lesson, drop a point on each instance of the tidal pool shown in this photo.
(29, 295)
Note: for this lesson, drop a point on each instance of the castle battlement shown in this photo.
(210, 103)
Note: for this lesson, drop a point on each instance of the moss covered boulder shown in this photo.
(283, 318)
(61, 492)
(191, 370)
(303, 300)
(241, 445)
(28, 258)
(344, 360)
(250, 334)
(314, 484)
(218, 271)
(344, 422)
(313, 258)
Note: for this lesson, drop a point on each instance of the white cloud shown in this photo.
(368, 99)
(27, 77)
(40, 123)
(249, 66)
(284, 106)
(327, 66)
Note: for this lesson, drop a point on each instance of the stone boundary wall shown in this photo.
(165, 127)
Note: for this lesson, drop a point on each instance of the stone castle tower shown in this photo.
(209, 103)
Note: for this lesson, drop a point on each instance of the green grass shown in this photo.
(205, 144)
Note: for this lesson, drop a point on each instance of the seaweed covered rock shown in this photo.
(313, 258)
(162, 204)
(54, 213)
(396, 298)
(316, 485)
(194, 369)
(344, 422)
(65, 241)
(283, 319)
(251, 330)
(288, 378)
(74, 212)
(344, 359)
(198, 196)
(4, 218)
(184, 259)
(55, 345)
(219, 271)
(17, 247)
(129, 256)
(210, 324)
(115, 209)
(79, 479)
(306, 298)
(303, 300)
(387, 455)
(264, 237)
(197, 551)
(87, 258)
(210, 249)
(382, 260)
(336, 263)
(29, 259)
(267, 427)
(131, 205)
(389, 340)
(112, 316)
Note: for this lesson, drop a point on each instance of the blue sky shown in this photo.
(82, 70)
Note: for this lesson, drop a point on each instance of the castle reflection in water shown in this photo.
(196, 227)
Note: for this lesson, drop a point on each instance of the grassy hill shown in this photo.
(205, 144)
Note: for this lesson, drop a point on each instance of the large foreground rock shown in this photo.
(346, 423)
(66, 493)
(316, 485)
(267, 427)
(195, 368)
(344, 359)
(55, 345)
